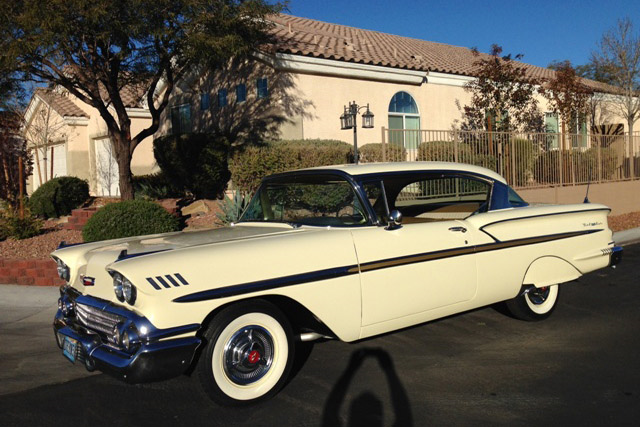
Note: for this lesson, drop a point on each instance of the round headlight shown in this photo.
(129, 291)
(117, 286)
(63, 270)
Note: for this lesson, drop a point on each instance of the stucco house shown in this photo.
(313, 69)
(69, 138)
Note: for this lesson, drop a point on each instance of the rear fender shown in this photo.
(550, 270)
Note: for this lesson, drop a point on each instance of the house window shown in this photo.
(262, 88)
(241, 92)
(551, 126)
(404, 121)
(181, 119)
(578, 126)
(222, 97)
(204, 101)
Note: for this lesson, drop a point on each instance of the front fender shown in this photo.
(550, 270)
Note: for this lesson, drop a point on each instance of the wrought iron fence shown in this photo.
(526, 160)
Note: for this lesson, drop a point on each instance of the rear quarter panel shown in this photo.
(571, 234)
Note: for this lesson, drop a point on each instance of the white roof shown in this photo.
(367, 168)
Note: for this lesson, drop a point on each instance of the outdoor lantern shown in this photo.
(348, 121)
(367, 119)
(343, 120)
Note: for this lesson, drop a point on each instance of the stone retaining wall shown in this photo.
(38, 272)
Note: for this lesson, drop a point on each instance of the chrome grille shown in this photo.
(96, 319)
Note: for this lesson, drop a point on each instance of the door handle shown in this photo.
(461, 229)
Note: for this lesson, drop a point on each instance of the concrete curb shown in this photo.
(627, 237)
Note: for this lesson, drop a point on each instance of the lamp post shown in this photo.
(348, 121)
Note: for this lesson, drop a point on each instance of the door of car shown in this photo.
(426, 263)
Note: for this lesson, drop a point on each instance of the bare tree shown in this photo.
(106, 167)
(619, 54)
(45, 130)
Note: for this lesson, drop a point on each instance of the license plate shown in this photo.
(69, 348)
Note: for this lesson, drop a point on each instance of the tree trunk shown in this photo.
(124, 166)
(630, 121)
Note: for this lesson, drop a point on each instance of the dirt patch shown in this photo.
(39, 247)
(625, 221)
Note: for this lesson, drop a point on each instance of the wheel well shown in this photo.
(299, 316)
(550, 270)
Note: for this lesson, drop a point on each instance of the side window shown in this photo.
(222, 98)
(262, 88)
(241, 93)
(438, 197)
(204, 101)
(375, 195)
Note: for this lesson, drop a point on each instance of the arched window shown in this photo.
(404, 121)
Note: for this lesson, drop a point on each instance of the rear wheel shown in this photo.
(248, 355)
(536, 304)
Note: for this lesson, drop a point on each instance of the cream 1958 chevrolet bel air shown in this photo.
(343, 252)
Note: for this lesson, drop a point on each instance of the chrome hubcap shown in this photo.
(538, 295)
(248, 355)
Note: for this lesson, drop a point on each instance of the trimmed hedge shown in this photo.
(194, 162)
(250, 165)
(59, 196)
(445, 151)
(370, 153)
(525, 155)
(128, 218)
(547, 169)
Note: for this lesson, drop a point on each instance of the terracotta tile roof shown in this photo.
(60, 103)
(308, 37)
(131, 95)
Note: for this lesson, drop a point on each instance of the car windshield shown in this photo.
(323, 200)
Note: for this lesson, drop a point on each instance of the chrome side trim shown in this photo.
(331, 273)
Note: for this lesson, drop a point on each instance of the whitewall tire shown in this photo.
(248, 355)
(536, 304)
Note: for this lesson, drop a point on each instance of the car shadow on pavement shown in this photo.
(367, 407)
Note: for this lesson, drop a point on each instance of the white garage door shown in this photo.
(106, 169)
(59, 154)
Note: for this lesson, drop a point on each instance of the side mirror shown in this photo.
(395, 220)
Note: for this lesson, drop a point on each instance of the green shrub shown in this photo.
(584, 164)
(250, 165)
(59, 196)
(445, 151)
(12, 226)
(370, 153)
(128, 218)
(525, 153)
(156, 186)
(232, 208)
(194, 162)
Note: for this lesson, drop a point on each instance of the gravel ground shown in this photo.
(41, 246)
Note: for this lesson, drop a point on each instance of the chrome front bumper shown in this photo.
(151, 354)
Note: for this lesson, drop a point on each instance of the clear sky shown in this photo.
(541, 30)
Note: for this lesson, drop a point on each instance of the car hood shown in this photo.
(92, 259)
(141, 245)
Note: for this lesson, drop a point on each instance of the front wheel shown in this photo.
(248, 354)
(536, 304)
